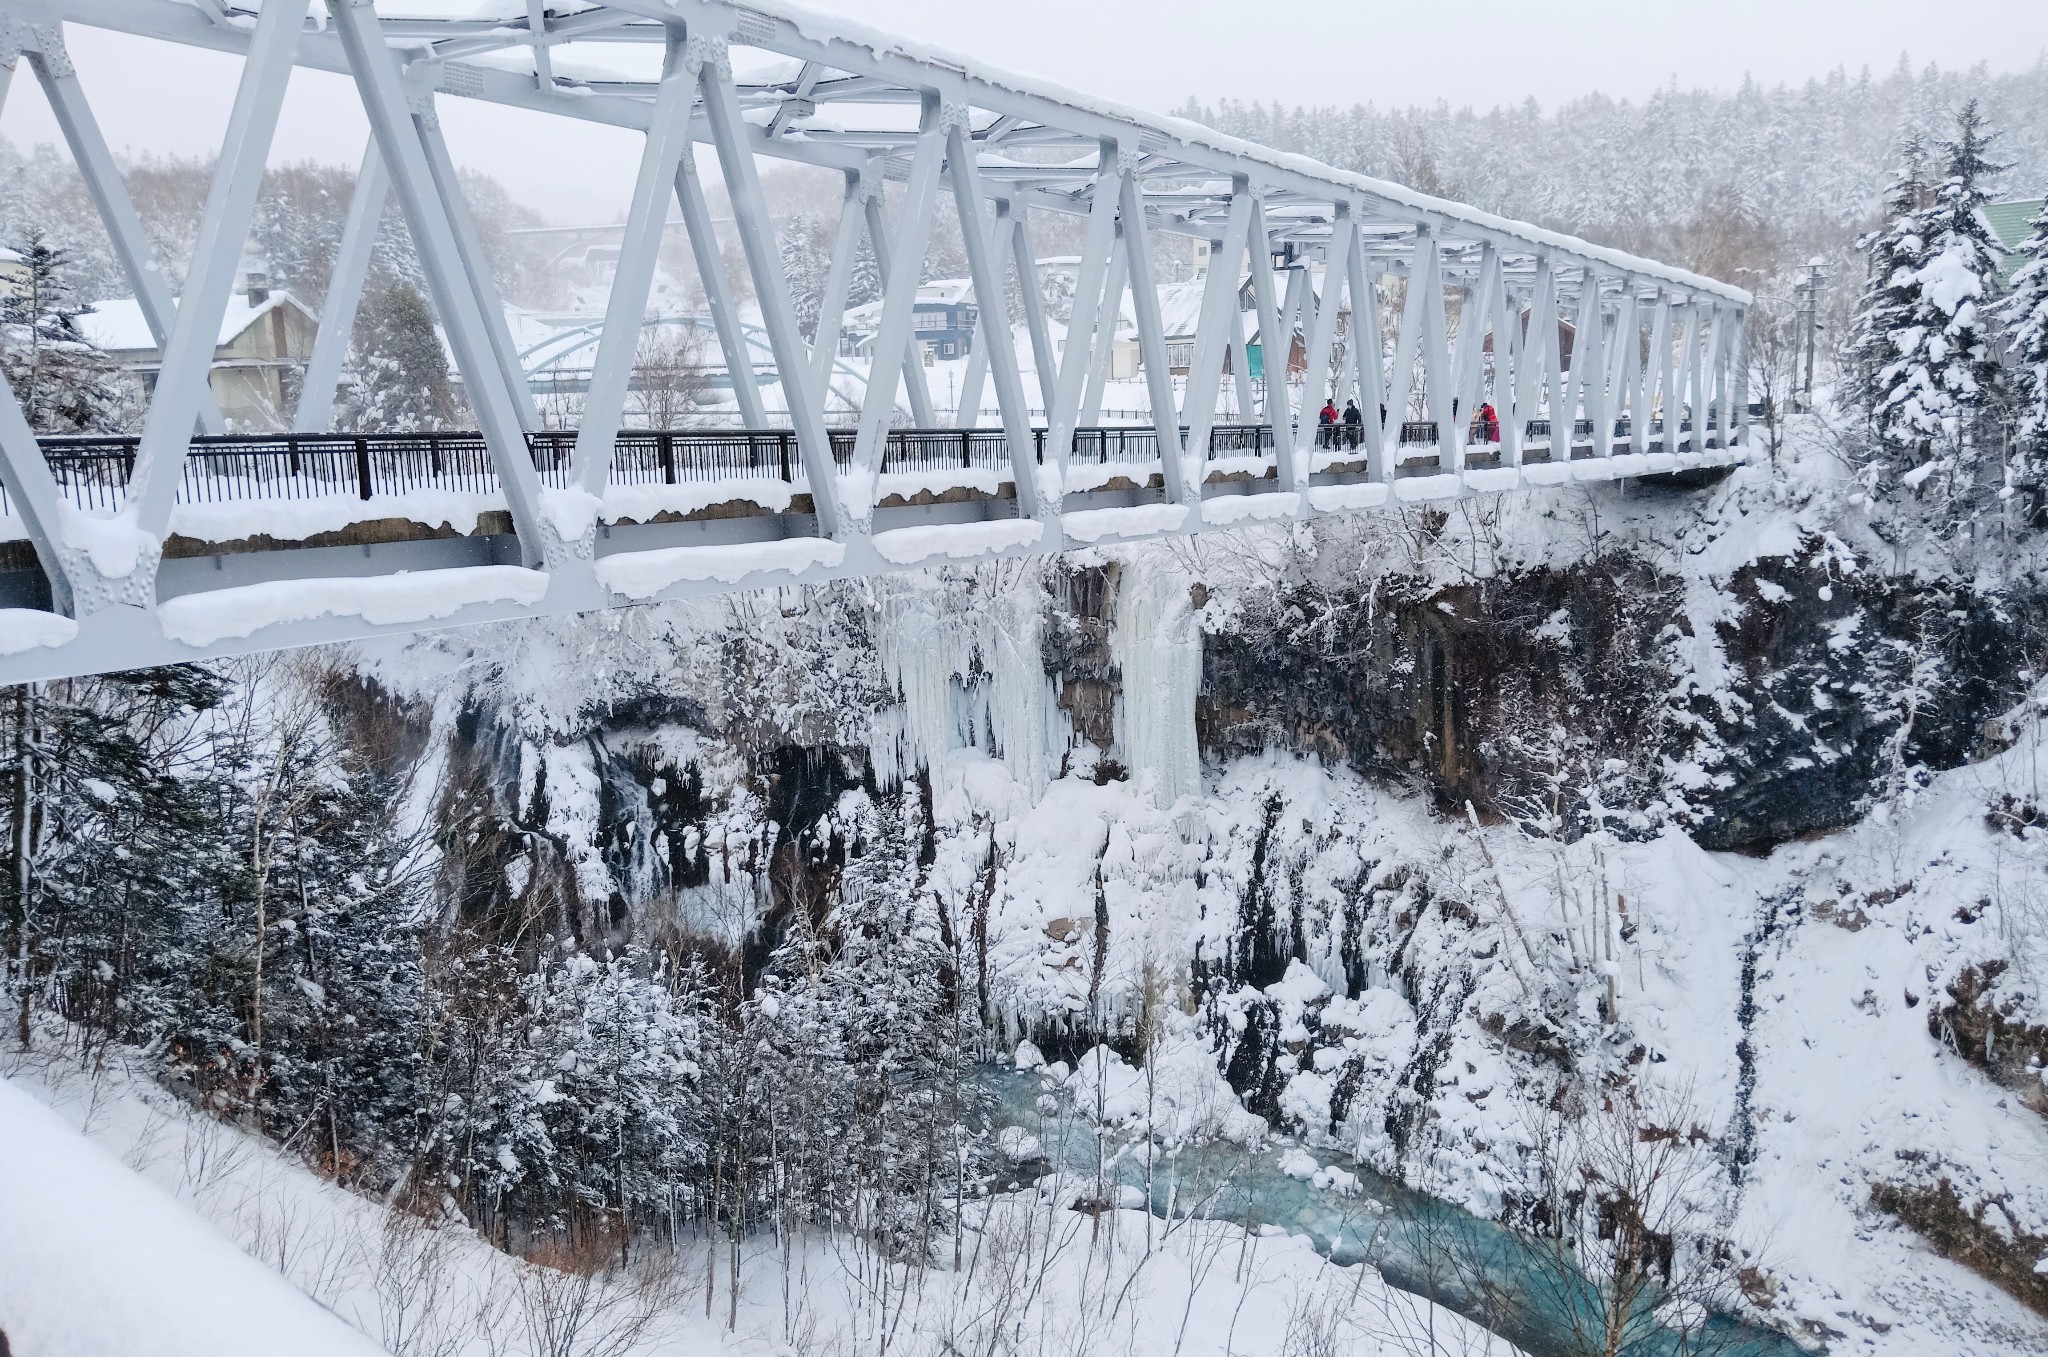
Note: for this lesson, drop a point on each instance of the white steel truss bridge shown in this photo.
(183, 542)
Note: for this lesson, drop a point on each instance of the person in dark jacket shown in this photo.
(1354, 424)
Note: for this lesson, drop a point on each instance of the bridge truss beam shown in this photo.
(1485, 312)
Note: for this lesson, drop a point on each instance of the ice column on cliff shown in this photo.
(919, 657)
(1024, 708)
(1005, 703)
(1158, 648)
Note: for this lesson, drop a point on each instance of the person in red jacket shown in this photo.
(1326, 425)
(1489, 424)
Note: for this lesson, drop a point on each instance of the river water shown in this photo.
(1420, 1244)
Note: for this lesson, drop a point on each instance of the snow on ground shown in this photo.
(117, 1242)
(94, 1259)
(1851, 1087)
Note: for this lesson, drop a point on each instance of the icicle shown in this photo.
(1018, 712)
(918, 660)
(1158, 648)
(885, 746)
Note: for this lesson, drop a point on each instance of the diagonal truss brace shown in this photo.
(1181, 487)
(210, 279)
(125, 231)
(380, 85)
(668, 141)
(984, 265)
(1218, 321)
(891, 352)
(708, 53)
(1091, 324)
(315, 411)
(36, 499)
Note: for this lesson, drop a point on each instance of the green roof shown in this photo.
(2011, 223)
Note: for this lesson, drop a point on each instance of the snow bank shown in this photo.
(115, 544)
(294, 520)
(1417, 489)
(1144, 520)
(1179, 1098)
(23, 629)
(961, 541)
(381, 600)
(643, 574)
(1259, 508)
(97, 1262)
(1340, 498)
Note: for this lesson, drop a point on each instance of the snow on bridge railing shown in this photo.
(93, 470)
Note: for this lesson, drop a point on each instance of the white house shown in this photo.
(13, 273)
(265, 338)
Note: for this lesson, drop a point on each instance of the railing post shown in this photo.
(782, 449)
(666, 448)
(966, 449)
(362, 467)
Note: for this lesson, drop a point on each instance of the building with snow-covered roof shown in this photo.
(1180, 315)
(13, 273)
(2012, 222)
(265, 337)
(943, 318)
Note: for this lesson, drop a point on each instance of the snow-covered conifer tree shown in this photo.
(1935, 387)
(1893, 254)
(396, 380)
(64, 384)
(2026, 316)
(806, 248)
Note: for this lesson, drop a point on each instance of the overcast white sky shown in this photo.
(1153, 53)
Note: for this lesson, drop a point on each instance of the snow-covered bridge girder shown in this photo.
(1415, 305)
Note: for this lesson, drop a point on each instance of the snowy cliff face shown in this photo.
(1419, 818)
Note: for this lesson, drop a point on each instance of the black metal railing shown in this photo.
(93, 471)
(1115, 446)
(1239, 440)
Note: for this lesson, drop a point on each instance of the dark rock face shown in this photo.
(1982, 1020)
(1077, 649)
(1844, 685)
(1479, 692)
(1978, 1234)
(1504, 692)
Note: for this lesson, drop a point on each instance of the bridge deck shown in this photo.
(258, 481)
(694, 511)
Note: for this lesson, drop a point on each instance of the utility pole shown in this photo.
(1809, 311)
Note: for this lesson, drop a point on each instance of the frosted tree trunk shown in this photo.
(26, 714)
